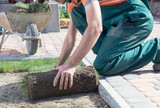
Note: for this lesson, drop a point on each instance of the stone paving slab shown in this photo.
(137, 89)
(109, 94)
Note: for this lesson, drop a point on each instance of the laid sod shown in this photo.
(30, 66)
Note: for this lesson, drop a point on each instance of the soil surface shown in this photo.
(12, 96)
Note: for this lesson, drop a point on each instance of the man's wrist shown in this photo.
(71, 64)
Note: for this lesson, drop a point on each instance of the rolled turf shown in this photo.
(40, 85)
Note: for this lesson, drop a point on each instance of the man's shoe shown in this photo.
(156, 67)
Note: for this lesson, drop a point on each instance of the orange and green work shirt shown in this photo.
(126, 24)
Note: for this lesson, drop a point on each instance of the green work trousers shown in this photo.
(121, 47)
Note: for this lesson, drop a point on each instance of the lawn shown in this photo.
(30, 66)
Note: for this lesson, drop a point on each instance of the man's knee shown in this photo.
(98, 65)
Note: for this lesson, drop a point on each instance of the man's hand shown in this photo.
(65, 74)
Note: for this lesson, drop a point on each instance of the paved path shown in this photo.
(138, 89)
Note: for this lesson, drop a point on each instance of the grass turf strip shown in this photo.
(30, 66)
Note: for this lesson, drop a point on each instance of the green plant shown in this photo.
(35, 7)
(24, 85)
(22, 5)
(63, 13)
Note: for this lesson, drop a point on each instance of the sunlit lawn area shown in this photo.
(35, 65)
(30, 66)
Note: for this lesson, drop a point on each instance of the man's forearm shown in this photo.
(65, 52)
(89, 38)
(68, 45)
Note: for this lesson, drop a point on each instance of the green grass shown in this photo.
(30, 66)
(24, 85)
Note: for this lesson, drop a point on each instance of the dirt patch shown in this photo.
(12, 96)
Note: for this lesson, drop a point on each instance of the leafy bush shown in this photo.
(63, 13)
(35, 7)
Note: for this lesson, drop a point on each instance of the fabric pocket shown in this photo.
(130, 18)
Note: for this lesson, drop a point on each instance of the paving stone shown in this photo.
(85, 62)
(157, 83)
(28, 57)
(149, 75)
(152, 93)
(149, 65)
(145, 72)
(110, 95)
(3, 53)
(130, 76)
(157, 87)
(113, 78)
(142, 80)
(156, 99)
(90, 61)
(143, 105)
(145, 89)
(139, 99)
(117, 83)
(158, 78)
(158, 104)
(3, 57)
(143, 84)
(90, 56)
(128, 91)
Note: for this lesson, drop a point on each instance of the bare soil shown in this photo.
(12, 96)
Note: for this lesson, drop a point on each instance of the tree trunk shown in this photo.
(40, 85)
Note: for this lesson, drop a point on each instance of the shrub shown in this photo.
(63, 13)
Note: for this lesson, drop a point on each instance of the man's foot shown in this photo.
(156, 67)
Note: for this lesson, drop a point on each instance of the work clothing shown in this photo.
(126, 24)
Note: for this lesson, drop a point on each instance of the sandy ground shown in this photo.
(12, 96)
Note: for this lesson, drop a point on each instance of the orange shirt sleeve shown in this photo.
(103, 2)
(86, 2)
(110, 2)
(70, 7)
